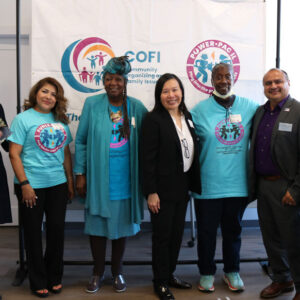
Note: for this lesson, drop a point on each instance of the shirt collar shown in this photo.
(278, 107)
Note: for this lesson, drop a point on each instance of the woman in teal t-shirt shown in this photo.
(41, 160)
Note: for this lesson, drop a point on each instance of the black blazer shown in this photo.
(5, 211)
(285, 147)
(161, 158)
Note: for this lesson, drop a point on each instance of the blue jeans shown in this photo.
(228, 213)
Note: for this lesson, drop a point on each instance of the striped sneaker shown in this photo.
(206, 283)
(234, 281)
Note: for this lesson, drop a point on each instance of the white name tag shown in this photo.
(133, 121)
(235, 118)
(285, 127)
(191, 123)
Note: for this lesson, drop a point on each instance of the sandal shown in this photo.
(56, 289)
(43, 293)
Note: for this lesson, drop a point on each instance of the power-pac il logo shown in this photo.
(82, 64)
(50, 137)
(229, 133)
(204, 57)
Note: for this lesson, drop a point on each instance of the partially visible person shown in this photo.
(223, 124)
(5, 210)
(275, 182)
(41, 160)
(107, 170)
(170, 169)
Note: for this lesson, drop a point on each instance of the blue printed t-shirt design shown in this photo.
(224, 143)
(43, 140)
(119, 161)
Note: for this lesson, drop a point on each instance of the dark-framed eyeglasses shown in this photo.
(186, 148)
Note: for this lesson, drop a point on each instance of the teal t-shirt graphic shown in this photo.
(224, 143)
(43, 140)
(119, 158)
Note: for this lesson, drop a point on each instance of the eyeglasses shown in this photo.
(186, 148)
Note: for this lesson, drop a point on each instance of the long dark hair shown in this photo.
(126, 125)
(158, 89)
(60, 108)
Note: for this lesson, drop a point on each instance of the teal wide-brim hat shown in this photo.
(117, 65)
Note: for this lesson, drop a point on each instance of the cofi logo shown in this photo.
(143, 56)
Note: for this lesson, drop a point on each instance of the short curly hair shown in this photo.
(60, 108)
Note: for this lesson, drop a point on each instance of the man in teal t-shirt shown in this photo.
(222, 123)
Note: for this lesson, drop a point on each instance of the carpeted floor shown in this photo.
(138, 277)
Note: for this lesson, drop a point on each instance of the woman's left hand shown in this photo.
(154, 203)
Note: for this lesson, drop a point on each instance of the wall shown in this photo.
(289, 52)
(8, 94)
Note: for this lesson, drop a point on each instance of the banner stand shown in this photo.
(22, 270)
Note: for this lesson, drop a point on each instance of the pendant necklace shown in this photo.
(115, 116)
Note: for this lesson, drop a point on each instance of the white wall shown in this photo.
(289, 62)
(8, 95)
(290, 43)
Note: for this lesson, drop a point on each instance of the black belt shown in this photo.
(271, 177)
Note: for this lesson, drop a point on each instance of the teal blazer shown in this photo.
(92, 154)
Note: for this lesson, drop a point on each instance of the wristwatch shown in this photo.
(24, 182)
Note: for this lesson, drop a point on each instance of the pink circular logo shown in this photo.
(204, 57)
(229, 133)
(50, 137)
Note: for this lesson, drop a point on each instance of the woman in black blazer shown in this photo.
(5, 210)
(170, 169)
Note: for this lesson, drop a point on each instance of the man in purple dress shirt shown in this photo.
(275, 181)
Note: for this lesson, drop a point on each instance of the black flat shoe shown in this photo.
(163, 292)
(178, 283)
(40, 295)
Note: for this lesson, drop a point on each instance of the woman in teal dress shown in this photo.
(107, 171)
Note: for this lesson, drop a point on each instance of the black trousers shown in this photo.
(228, 213)
(280, 228)
(167, 228)
(44, 270)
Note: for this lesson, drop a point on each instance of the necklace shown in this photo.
(115, 116)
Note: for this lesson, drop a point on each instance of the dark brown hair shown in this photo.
(60, 108)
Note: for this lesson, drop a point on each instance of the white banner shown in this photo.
(73, 39)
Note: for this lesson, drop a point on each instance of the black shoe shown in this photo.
(178, 283)
(163, 292)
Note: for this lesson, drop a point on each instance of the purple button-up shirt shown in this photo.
(263, 159)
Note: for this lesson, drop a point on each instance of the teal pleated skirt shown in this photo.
(117, 226)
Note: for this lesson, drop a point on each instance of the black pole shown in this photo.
(278, 34)
(22, 270)
(18, 55)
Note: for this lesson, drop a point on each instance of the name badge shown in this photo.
(235, 118)
(133, 121)
(285, 127)
(191, 123)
